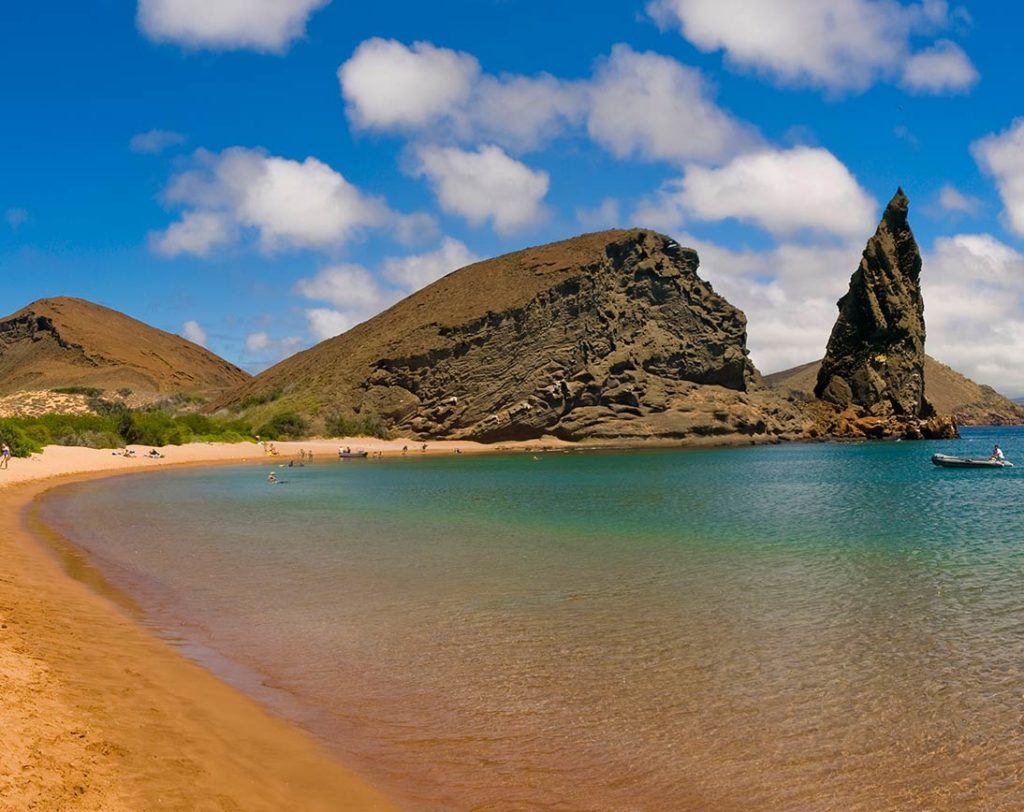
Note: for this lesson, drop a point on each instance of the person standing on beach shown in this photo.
(5, 455)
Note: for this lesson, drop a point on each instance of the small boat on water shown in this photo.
(946, 461)
(349, 454)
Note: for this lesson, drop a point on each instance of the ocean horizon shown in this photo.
(804, 626)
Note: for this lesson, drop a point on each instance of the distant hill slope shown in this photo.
(607, 336)
(63, 342)
(948, 391)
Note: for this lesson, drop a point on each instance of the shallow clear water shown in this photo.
(792, 627)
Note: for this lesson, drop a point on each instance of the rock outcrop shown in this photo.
(63, 342)
(875, 355)
(608, 336)
(950, 394)
(873, 370)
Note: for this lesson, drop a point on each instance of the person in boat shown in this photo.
(997, 454)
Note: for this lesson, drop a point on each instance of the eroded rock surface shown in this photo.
(606, 336)
(874, 363)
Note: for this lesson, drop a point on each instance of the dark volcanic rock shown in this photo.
(875, 355)
(609, 336)
(874, 362)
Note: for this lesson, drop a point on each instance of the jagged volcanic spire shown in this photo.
(875, 355)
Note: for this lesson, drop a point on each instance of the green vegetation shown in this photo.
(284, 426)
(259, 399)
(27, 435)
(365, 425)
(88, 391)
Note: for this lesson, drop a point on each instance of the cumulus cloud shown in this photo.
(953, 201)
(285, 203)
(262, 25)
(193, 332)
(641, 104)
(1002, 156)
(788, 292)
(268, 350)
(154, 142)
(387, 85)
(973, 286)
(943, 67)
(833, 44)
(484, 185)
(356, 294)
(417, 271)
(782, 191)
(651, 106)
(605, 215)
(197, 233)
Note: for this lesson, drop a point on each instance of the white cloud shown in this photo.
(834, 44)
(955, 201)
(326, 323)
(197, 232)
(286, 203)
(651, 106)
(390, 86)
(262, 25)
(153, 142)
(943, 67)
(788, 293)
(1002, 156)
(355, 294)
(973, 287)
(639, 104)
(419, 270)
(484, 185)
(193, 332)
(605, 215)
(783, 191)
(270, 349)
(348, 286)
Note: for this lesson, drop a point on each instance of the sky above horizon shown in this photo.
(259, 175)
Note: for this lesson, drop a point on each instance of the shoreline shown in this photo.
(100, 713)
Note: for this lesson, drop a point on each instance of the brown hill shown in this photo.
(949, 392)
(609, 335)
(64, 342)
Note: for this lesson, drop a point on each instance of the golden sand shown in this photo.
(97, 714)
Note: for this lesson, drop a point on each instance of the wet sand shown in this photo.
(97, 714)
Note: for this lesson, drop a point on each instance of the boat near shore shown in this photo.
(349, 454)
(947, 461)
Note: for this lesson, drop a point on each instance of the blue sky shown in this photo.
(260, 174)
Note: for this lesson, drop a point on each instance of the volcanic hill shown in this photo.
(609, 336)
(63, 342)
(949, 392)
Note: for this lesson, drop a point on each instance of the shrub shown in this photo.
(260, 398)
(88, 391)
(287, 425)
(128, 430)
(20, 443)
(367, 425)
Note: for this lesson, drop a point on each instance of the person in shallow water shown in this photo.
(997, 453)
(272, 477)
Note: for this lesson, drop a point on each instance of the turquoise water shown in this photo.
(791, 627)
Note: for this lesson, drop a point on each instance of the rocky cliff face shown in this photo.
(875, 355)
(873, 370)
(608, 336)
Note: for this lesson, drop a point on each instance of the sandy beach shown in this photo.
(97, 714)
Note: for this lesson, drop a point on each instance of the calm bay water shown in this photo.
(795, 627)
